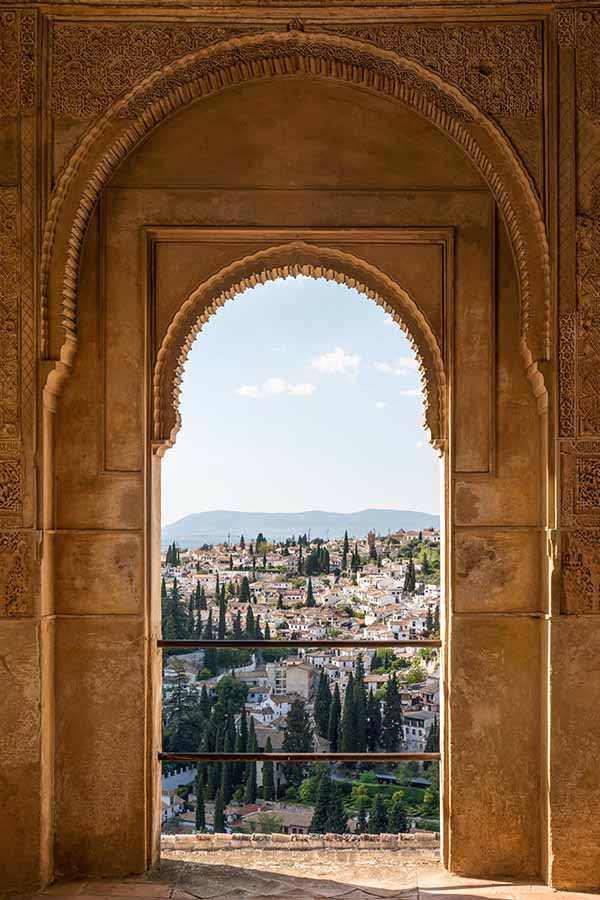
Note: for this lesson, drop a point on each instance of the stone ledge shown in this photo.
(214, 842)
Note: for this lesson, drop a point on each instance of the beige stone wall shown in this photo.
(451, 240)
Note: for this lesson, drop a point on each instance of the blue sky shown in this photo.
(300, 394)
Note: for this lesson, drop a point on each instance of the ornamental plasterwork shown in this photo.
(16, 566)
(580, 484)
(580, 572)
(497, 66)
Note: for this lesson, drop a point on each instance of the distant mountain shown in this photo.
(214, 527)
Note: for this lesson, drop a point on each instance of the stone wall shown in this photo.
(508, 107)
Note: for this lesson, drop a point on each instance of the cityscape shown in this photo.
(264, 699)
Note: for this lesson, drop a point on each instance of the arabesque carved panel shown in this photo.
(580, 573)
(16, 566)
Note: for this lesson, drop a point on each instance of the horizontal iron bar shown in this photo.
(354, 642)
(400, 756)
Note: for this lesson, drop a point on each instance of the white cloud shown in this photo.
(338, 361)
(411, 392)
(405, 367)
(248, 390)
(381, 404)
(274, 387)
(301, 390)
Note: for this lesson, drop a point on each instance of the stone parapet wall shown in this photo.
(213, 842)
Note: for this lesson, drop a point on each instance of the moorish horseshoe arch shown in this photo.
(98, 155)
(289, 259)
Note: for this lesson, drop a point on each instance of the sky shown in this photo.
(300, 394)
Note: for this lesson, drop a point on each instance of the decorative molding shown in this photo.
(498, 66)
(16, 568)
(580, 553)
(9, 64)
(92, 64)
(588, 325)
(566, 374)
(289, 53)
(27, 61)
(580, 484)
(565, 27)
(9, 312)
(281, 261)
(588, 53)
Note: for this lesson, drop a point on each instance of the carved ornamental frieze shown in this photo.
(18, 48)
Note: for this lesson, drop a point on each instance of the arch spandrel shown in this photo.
(279, 54)
(289, 260)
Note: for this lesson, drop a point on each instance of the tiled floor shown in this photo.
(251, 875)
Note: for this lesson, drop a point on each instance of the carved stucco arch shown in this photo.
(279, 54)
(285, 260)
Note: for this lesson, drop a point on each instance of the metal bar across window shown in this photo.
(276, 756)
(304, 642)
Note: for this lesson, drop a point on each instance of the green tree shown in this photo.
(436, 620)
(237, 626)
(310, 597)
(219, 817)
(397, 818)
(205, 704)
(320, 819)
(231, 692)
(200, 810)
(429, 621)
(360, 707)
(297, 738)
(268, 775)
(373, 722)
(250, 625)
(378, 822)
(333, 727)
(222, 616)
(337, 820)
(410, 578)
(432, 744)
(245, 596)
(250, 787)
(348, 726)
(210, 653)
(322, 705)
(361, 819)
(345, 551)
(391, 725)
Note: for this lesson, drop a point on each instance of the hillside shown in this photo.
(213, 527)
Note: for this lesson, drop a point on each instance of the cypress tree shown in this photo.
(337, 820)
(280, 601)
(250, 787)
(322, 705)
(210, 653)
(258, 635)
(219, 819)
(361, 823)
(378, 819)
(373, 723)
(397, 818)
(200, 811)
(345, 551)
(300, 561)
(432, 744)
(320, 817)
(245, 591)
(267, 632)
(244, 731)
(222, 616)
(429, 621)
(237, 626)
(410, 580)
(310, 598)
(391, 727)
(436, 620)
(164, 599)
(250, 626)
(360, 707)
(298, 738)
(268, 775)
(226, 785)
(333, 727)
(348, 725)
(217, 589)
(242, 542)
(205, 704)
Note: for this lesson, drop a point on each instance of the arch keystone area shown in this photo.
(283, 261)
(226, 64)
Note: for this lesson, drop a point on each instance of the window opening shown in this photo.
(301, 670)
